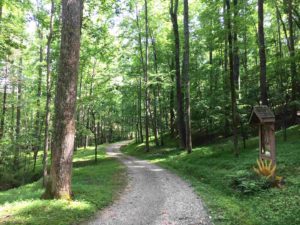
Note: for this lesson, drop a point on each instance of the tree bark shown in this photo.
(18, 122)
(158, 93)
(39, 93)
(147, 96)
(46, 143)
(225, 77)
(185, 73)
(4, 101)
(154, 118)
(236, 59)
(179, 94)
(140, 79)
(78, 136)
(262, 53)
(59, 186)
(233, 94)
(295, 82)
(172, 114)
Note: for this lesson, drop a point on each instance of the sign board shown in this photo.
(264, 118)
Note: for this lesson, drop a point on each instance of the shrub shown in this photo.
(246, 183)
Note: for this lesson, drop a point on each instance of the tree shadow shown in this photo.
(90, 162)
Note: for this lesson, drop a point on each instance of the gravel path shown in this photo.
(154, 196)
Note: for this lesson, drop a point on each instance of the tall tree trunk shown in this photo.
(17, 152)
(225, 77)
(88, 122)
(262, 53)
(295, 79)
(46, 143)
(147, 96)
(245, 63)
(13, 113)
(179, 94)
(39, 94)
(185, 73)
(140, 79)
(236, 59)
(96, 145)
(158, 91)
(172, 114)
(59, 186)
(161, 124)
(154, 118)
(78, 137)
(86, 138)
(233, 94)
(140, 109)
(4, 101)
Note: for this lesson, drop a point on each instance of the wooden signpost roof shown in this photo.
(261, 114)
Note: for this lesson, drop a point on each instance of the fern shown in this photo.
(266, 170)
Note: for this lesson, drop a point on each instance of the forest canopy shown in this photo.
(191, 69)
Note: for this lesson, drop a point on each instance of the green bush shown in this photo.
(246, 183)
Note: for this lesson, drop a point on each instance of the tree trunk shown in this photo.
(179, 94)
(185, 73)
(236, 59)
(46, 143)
(78, 137)
(295, 82)
(39, 93)
(4, 101)
(262, 53)
(158, 92)
(225, 77)
(172, 114)
(12, 125)
(59, 186)
(154, 119)
(17, 152)
(140, 79)
(147, 96)
(233, 94)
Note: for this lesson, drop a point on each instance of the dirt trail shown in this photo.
(154, 196)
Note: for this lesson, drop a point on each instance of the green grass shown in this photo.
(93, 185)
(210, 168)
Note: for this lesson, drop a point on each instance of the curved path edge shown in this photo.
(153, 196)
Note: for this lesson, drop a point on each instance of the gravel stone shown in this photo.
(153, 196)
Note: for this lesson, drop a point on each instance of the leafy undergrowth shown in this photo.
(232, 192)
(93, 185)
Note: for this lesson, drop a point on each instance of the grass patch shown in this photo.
(93, 186)
(213, 168)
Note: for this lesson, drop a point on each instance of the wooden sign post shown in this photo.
(263, 117)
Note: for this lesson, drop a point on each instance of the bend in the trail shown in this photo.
(154, 196)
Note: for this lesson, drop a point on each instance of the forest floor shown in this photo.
(153, 196)
(231, 191)
(94, 186)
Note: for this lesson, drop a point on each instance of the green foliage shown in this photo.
(245, 182)
(93, 185)
(231, 191)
